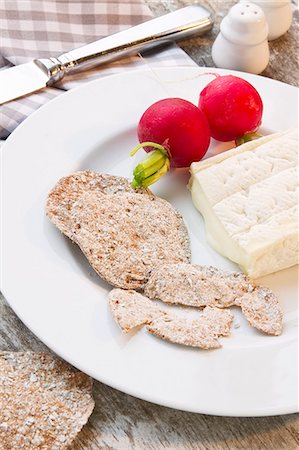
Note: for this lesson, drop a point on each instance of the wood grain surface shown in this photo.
(121, 422)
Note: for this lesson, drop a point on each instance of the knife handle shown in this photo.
(182, 23)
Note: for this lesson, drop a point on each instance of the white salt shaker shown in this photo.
(242, 42)
(278, 15)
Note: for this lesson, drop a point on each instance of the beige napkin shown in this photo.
(42, 28)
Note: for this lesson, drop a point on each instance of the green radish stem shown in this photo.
(153, 167)
(246, 138)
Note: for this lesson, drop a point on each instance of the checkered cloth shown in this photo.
(43, 28)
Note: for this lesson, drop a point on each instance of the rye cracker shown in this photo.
(262, 310)
(199, 286)
(131, 309)
(70, 188)
(203, 332)
(44, 402)
(195, 285)
(125, 236)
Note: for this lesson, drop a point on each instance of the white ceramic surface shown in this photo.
(278, 14)
(245, 24)
(51, 287)
(242, 41)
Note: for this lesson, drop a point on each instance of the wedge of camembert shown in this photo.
(248, 197)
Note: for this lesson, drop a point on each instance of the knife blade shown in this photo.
(30, 77)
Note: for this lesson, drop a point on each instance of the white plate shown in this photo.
(58, 296)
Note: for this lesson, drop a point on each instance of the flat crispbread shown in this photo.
(199, 286)
(70, 188)
(219, 320)
(202, 332)
(131, 309)
(195, 285)
(44, 402)
(125, 236)
(262, 310)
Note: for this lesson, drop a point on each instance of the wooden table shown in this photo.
(122, 422)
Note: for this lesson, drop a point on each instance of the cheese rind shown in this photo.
(248, 197)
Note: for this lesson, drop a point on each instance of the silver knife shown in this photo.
(26, 78)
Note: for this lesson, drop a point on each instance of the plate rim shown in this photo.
(270, 411)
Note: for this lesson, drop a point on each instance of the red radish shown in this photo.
(179, 126)
(176, 133)
(232, 106)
